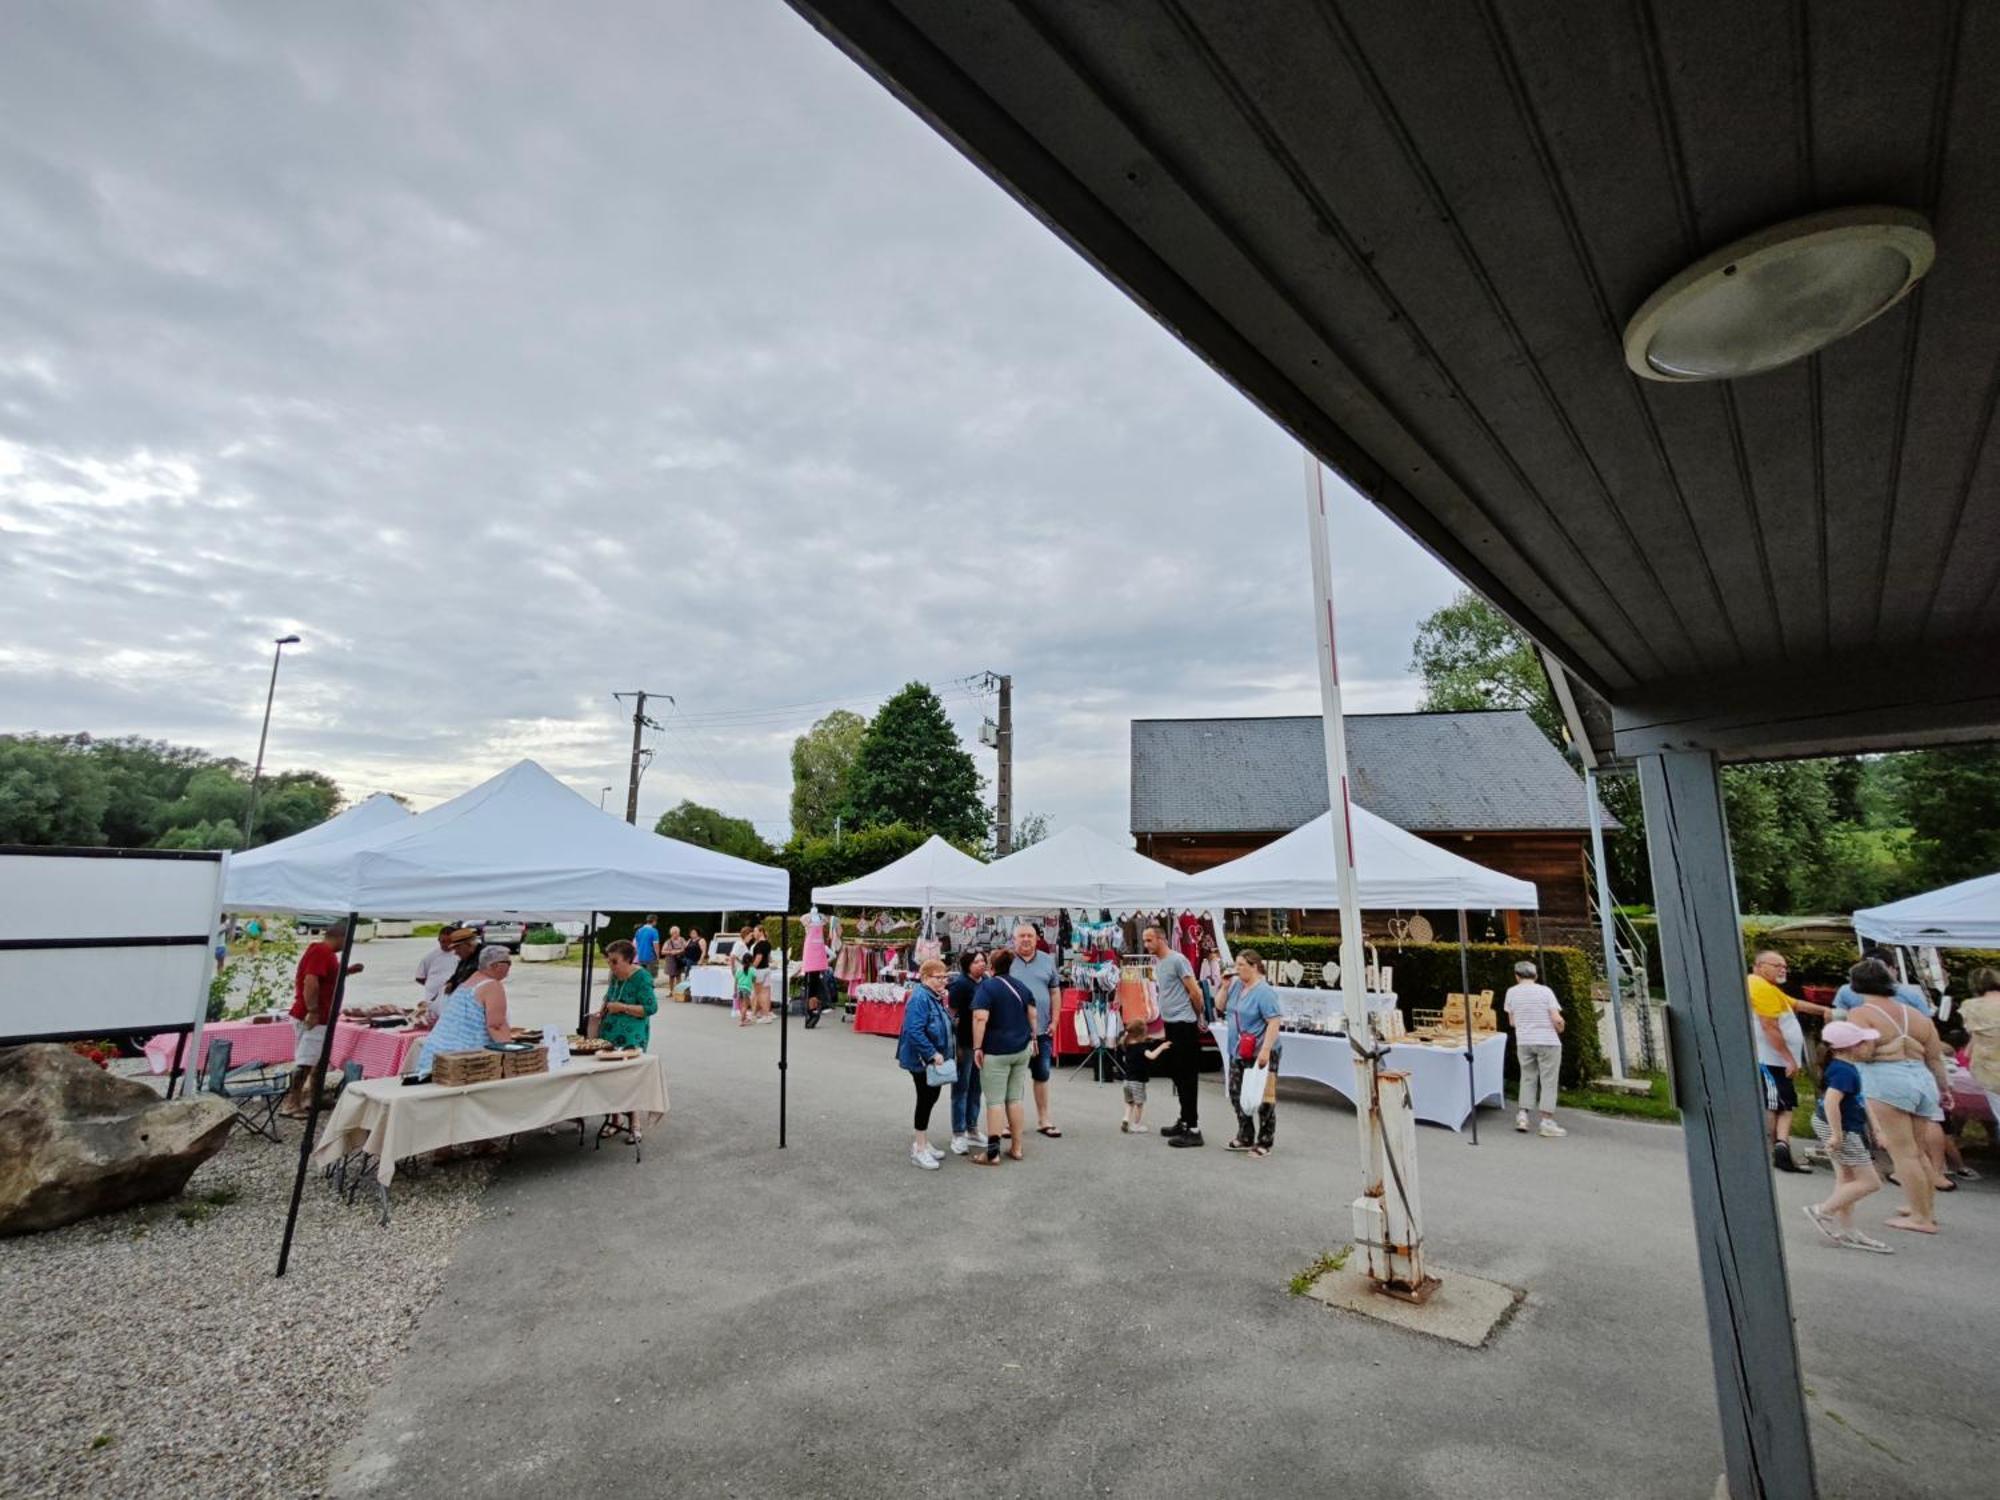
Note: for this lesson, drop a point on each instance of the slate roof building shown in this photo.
(1487, 785)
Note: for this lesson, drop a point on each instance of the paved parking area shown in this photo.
(1111, 1317)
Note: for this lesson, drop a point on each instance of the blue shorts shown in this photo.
(1904, 1084)
(1041, 1058)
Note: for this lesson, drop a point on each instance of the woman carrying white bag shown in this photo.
(924, 1051)
(1253, 1013)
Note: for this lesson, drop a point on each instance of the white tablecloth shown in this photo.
(1439, 1089)
(391, 1120)
(712, 982)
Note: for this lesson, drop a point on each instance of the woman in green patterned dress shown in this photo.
(625, 1019)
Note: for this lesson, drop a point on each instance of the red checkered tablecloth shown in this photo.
(381, 1054)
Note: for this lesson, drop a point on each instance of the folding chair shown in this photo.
(254, 1089)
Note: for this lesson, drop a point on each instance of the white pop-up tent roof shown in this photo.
(1074, 868)
(1966, 915)
(364, 818)
(1395, 870)
(519, 843)
(912, 881)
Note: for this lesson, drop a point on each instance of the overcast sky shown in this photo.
(517, 354)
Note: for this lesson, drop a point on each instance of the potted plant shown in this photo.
(542, 945)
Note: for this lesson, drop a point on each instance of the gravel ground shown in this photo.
(152, 1352)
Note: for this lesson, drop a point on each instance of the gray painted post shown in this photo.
(1759, 1395)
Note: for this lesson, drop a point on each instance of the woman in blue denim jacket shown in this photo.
(925, 1042)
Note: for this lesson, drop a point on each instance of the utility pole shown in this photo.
(1003, 835)
(641, 757)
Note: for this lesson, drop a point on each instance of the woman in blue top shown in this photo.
(1003, 1031)
(1253, 1011)
(925, 1043)
(473, 1013)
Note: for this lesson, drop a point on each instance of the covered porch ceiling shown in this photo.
(1414, 234)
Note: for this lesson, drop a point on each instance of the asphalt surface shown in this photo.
(1111, 1317)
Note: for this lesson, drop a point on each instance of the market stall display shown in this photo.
(1966, 915)
(519, 844)
(390, 1121)
(382, 1052)
(1440, 1090)
(878, 1008)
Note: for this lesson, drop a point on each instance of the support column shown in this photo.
(1766, 1446)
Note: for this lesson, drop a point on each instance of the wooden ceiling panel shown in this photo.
(1413, 235)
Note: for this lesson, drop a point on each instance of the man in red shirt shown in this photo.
(314, 988)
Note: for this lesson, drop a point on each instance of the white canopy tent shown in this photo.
(1074, 868)
(1395, 870)
(912, 881)
(519, 843)
(1966, 915)
(371, 816)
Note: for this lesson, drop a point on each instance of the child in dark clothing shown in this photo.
(1137, 1061)
(1841, 1124)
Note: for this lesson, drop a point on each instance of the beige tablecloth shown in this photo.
(391, 1120)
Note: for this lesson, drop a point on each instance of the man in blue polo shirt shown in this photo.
(646, 946)
(1036, 970)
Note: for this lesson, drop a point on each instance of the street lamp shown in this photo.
(600, 798)
(257, 773)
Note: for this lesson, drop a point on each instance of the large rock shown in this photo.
(76, 1141)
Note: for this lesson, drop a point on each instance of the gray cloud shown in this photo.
(517, 354)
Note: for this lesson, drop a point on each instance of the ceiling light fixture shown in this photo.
(1779, 295)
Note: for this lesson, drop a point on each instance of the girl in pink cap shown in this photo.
(1840, 1121)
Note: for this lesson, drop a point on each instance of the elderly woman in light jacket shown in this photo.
(925, 1043)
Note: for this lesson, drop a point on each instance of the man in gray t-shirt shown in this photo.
(1179, 996)
(1036, 971)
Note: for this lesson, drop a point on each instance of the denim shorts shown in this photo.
(1041, 1057)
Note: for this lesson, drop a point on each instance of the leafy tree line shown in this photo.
(1826, 835)
(135, 793)
(865, 792)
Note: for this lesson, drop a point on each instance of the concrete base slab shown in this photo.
(1637, 1088)
(1465, 1310)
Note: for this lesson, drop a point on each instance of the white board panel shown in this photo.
(104, 907)
(48, 992)
(83, 896)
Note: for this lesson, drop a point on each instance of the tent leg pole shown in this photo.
(318, 1089)
(583, 976)
(784, 1016)
(1465, 988)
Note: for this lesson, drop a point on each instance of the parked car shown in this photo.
(507, 934)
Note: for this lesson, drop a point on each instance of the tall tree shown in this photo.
(1031, 829)
(1470, 656)
(1952, 801)
(51, 792)
(822, 757)
(692, 823)
(912, 769)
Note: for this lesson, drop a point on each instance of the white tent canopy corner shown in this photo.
(366, 818)
(1074, 868)
(907, 883)
(1395, 869)
(1966, 915)
(519, 843)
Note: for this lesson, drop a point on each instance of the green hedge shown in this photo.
(1427, 972)
(1811, 963)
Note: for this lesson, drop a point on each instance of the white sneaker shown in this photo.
(923, 1159)
(1142, 1130)
(1551, 1129)
(1521, 1121)
(960, 1144)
